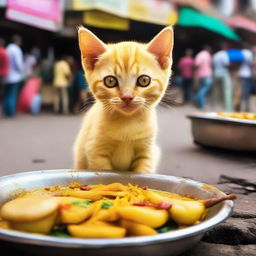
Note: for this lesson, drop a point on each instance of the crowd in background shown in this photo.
(22, 77)
(228, 75)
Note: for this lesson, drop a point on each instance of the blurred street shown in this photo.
(45, 142)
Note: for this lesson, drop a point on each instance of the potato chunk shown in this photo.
(144, 215)
(72, 214)
(187, 212)
(29, 208)
(136, 229)
(42, 226)
(97, 229)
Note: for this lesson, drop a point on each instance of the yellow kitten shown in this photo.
(127, 80)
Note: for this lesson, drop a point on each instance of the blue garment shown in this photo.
(80, 82)
(235, 55)
(205, 84)
(10, 98)
(187, 89)
(246, 90)
(36, 104)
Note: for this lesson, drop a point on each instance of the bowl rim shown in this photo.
(92, 243)
(213, 116)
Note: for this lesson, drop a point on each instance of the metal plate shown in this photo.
(229, 133)
(169, 243)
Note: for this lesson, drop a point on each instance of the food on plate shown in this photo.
(103, 211)
(242, 115)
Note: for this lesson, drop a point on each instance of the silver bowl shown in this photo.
(209, 129)
(169, 243)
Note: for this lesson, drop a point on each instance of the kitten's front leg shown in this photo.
(99, 162)
(146, 159)
(94, 162)
(142, 165)
(99, 157)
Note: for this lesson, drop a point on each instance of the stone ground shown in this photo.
(45, 142)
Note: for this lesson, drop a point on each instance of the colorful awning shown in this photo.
(152, 11)
(47, 14)
(191, 18)
(239, 21)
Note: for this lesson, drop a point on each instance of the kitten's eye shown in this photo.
(110, 81)
(143, 80)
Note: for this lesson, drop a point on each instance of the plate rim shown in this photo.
(42, 240)
(213, 116)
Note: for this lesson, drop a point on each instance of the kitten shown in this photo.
(127, 80)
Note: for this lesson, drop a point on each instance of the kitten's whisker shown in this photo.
(138, 103)
(116, 103)
(115, 100)
(147, 105)
(139, 99)
(87, 104)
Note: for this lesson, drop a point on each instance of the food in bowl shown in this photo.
(102, 211)
(242, 115)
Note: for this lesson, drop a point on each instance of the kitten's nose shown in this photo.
(127, 98)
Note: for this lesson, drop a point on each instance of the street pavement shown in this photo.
(45, 142)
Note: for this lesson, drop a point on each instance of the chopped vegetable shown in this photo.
(60, 234)
(170, 225)
(85, 187)
(106, 204)
(85, 203)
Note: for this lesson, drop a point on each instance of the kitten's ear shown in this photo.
(161, 46)
(91, 47)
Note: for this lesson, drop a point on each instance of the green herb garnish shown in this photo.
(60, 233)
(163, 229)
(85, 203)
(106, 204)
(170, 225)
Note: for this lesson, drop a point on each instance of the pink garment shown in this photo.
(4, 62)
(203, 62)
(30, 89)
(186, 65)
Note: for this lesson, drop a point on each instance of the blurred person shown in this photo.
(15, 76)
(186, 67)
(254, 72)
(30, 63)
(82, 89)
(4, 67)
(29, 100)
(46, 71)
(235, 59)
(203, 72)
(35, 51)
(222, 76)
(245, 75)
(62, 76)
